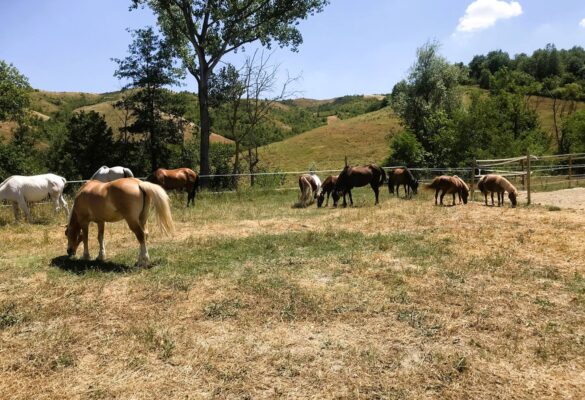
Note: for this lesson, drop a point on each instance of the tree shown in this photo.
(429, 98)
(203, 32)
(87, 145)
(150, 68)
(246, 97)
(14, 89)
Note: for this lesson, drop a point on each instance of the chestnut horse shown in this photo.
(351, 177)
(500, 185)
(402, 176)
(126, 198)
(177, 179)
(449, 185)
(328, 188)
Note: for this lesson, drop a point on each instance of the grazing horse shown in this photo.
(402, 176)
(177, 179)
(21, 190)
(449, 185)
(500, 185)
(351, 177)
(328, 188)
(106, 174)
(310, 186)
(126, 198)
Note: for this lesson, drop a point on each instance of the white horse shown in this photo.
(105, 174)
(21, 190)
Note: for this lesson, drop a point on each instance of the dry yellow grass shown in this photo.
(364, 139)
(256, 299)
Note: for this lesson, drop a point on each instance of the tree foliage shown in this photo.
(203, 32)
(149, 67)
(14, 89)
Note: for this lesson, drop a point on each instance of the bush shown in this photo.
(405, 150)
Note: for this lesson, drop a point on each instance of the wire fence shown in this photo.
(529, 173)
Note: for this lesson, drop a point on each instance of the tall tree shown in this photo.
(203, 31)
(150, 68)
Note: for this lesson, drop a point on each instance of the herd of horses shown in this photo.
(114, 194)
(375, 176)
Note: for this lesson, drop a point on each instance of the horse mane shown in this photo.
(4, 181)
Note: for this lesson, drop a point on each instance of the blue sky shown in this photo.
(353, 47)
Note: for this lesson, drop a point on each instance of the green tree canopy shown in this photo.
(202, 32)
(14, 92)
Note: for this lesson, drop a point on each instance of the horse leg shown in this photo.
(102, 254)
(492, 198)
(16, 211)
(376, 192)
(141, 234)
(485, 195)
(436, 194)
(22, 204)
(350, 198)
(63, 203)
(453, 198)
(85, 237)
(344, 199)
(442, 196)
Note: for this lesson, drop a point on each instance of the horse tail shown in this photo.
(433, 185)
(4, 181)
(162, 207)
(128, 173)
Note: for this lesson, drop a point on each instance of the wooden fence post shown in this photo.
(523, 176)
(473, 168)
(570, 171)
(528, 179)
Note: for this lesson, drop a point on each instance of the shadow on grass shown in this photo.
(81, 267)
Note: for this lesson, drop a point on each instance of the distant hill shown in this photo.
(364, 139)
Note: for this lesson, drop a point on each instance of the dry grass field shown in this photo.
(253, 298)
(364, 139)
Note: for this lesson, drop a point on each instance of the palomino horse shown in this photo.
(499, 185)
(21, 190)
(310, 186)
(402, 176)
(106, 174)
(352, 177)
(328, 188)
(126, 198)
(177, 179)
(449, 185)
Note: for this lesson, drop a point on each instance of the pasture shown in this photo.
(253, 298)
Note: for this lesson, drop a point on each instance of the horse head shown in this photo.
(74, 237)
(464, 195)
(513, 198)
(320, 199)
(414, 186)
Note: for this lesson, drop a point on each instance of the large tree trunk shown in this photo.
(205, 126)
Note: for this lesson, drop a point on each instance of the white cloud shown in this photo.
(482, 14)
(582, 23)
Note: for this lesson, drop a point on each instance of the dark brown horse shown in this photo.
(402, 176)
(328, 188)
(177, 179)
(352, 177)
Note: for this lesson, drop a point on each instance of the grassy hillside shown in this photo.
(363, 139)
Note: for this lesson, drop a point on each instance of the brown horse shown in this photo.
(499, 185)
(125, 198)
(177, 179)
(449, 185)
(328, 188)
(352, 177)
(402, 176)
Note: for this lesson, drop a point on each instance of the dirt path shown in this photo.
(332, 119)
(566, 198)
